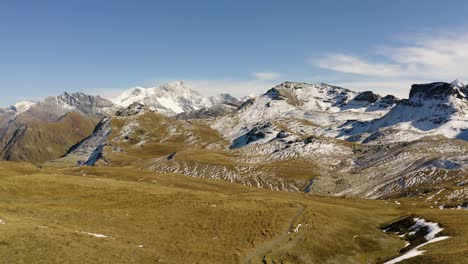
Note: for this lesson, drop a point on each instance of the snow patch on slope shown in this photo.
(432, 230)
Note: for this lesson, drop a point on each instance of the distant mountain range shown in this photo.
(296, 136)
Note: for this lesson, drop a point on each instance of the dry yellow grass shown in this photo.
(167, 218)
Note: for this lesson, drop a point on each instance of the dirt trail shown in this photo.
(260, 251)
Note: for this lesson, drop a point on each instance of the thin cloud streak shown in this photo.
(350, 64)
(439, 57)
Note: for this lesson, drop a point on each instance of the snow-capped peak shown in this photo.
(458, 83)
(22, 106)
(169, 99)
(131, 96)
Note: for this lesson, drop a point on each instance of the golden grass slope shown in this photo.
(60, 215)
(34, 140)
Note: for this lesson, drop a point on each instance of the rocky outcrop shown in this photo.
(132, 110)
(437, 90)
(367, 96)
(88, 151)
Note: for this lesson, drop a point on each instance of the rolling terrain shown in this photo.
(126, 215)
(304, 173)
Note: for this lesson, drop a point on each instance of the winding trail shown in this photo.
(260, 251)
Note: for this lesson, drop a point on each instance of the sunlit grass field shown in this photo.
(125, 215)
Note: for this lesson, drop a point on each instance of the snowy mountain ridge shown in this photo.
(171, 98)
(431, 109)
(317, 109)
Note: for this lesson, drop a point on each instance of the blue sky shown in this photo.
(241, 47)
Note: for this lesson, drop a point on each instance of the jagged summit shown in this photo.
(432, 109)
(438, 90)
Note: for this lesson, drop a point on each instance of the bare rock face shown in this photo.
(88, 151)
(259, 132)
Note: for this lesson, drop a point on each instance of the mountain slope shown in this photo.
(32, 140)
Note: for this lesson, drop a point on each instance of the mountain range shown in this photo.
(314, 138)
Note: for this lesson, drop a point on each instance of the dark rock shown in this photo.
(256, 133)
(247, 103)
(172, 156)
(389, 99)
(436, 90)
(275, 94)
(131, 110)
(367, 96)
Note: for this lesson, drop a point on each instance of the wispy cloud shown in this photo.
(436, 57)
(350, 64)
(266, 76)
